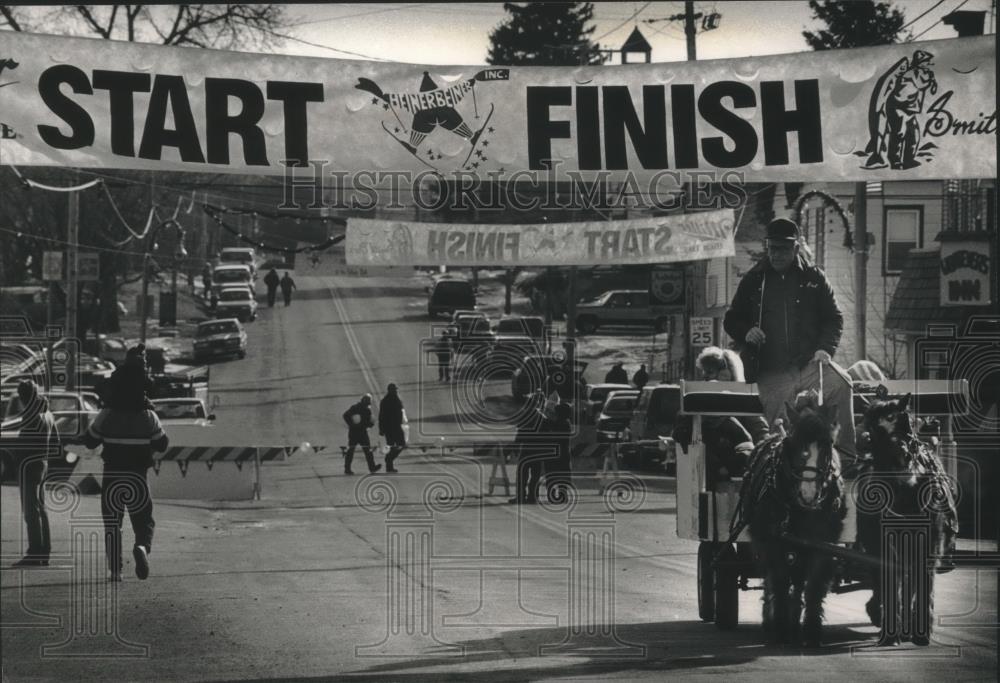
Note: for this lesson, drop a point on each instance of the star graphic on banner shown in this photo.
(430, 153)
(396, 129)
(484, 158)
(491, 129)
(374, 100)
(479, 153)
(486, 143)
(475, 164)
(385, 107)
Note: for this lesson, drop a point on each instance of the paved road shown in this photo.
(429, 580)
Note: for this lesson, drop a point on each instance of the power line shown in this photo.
(937, 22)
(357, 14)
(911, 23)
(634, 15)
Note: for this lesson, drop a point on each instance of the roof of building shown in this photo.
(917, 299)
(637, 42)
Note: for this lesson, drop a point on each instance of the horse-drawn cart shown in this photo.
(707, 502)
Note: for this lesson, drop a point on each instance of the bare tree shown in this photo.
(214, 26)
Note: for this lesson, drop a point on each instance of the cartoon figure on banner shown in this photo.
(434, 107)
(542, 237)
(401, 243)
(893, 122)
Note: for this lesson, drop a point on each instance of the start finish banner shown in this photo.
(666, 239)
(917, 110)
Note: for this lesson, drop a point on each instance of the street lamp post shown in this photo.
(179, 253)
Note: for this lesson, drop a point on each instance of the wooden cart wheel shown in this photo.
(727, 590)
(706, 580)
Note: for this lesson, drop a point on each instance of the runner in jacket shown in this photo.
(129, 432)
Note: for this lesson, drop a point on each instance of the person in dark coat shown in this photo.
(37, 441)
(641, 377)
(531, 452)
(129, 431)
(785, 317)
(391, 418)
(272, 281)
(617, 374)
(287, 285)
(358, 419)
(558, 478)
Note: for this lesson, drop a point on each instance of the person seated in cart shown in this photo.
(728, 440)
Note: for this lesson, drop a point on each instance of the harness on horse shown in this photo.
(759, 478)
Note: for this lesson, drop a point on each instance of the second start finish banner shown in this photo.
(917, 110)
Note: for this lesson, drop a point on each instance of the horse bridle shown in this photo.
(819, 475)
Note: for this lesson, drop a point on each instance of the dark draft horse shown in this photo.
(907, 520)
(796, 500)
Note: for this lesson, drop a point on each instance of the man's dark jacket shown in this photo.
(390, 419)
(815, 321)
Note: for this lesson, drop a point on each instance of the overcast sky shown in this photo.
(458, 33)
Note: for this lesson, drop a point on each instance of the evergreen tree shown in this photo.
(545, 34)
(860, 23)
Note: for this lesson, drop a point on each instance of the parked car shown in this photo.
(90, 373)
(240, 255)
(472, 330)
(229, 275)
(654, 416)
(223, 337)
(520, 335)
(236, 302)
(616, 414)
(73, 414)
(450, 294)
(596, 395)
(621, 307)
(183, 411)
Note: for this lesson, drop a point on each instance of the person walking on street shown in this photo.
(785, 317)
(272, 281)
(129, 431)
(287, 285)
(558, 477)
(206, 280)
(443, 350)
(37, 441)
(617, 374)
(391, 418)
(641, 377)
(358, 419)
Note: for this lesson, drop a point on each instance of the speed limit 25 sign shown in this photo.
(702, 332)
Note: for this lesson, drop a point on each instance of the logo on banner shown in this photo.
(899, 121)
(419, 121)
(8, 64)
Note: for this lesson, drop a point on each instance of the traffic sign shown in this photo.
(702, 332)
(52, 266)
(88, 266)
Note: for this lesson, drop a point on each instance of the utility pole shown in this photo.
(73, 246)
(689, 30)
(860, 269)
